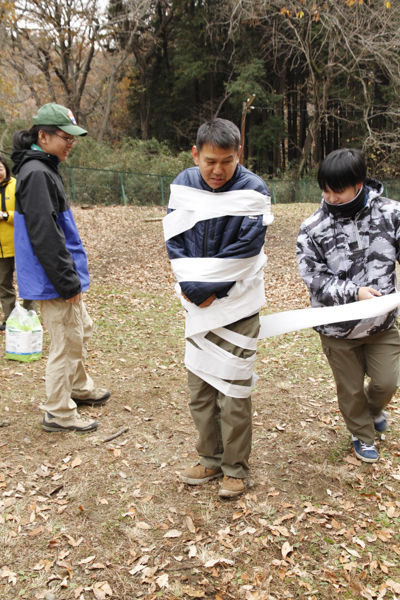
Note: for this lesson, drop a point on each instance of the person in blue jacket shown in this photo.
(52, 264)
(224, 423)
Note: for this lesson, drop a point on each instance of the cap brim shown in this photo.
(73, 129)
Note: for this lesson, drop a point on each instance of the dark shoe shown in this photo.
(96, 396)
(380, 422)
(75, 423)
(198, 475)
(365, 452)
(231, 487)
(3, 326)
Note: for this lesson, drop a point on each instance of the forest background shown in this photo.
(142, 75)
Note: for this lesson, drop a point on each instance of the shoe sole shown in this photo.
(50, 429)
(367, 460)
(230, 493)
(90, 401)
(190, 481)
(382, 430)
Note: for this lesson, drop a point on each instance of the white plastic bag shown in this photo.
(24, 335)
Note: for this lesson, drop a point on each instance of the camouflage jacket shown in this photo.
(337, 256)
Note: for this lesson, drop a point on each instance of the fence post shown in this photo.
(273, 192)
(386, 189)
(162, 190)
(73, 184)
(304, 190)
(123, 189)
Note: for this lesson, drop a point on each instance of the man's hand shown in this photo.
(365, 293)
(207, 302)
(75, 299)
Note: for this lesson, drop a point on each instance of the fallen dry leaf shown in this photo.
(172, 533)
(87, 560)
(76, 462)
(11, 576)
(212, 562)
(190, 525)
(162, 581)
(72, 542)
(193, 592)
(286, 549)
(394, 586)
(101, 589)
(78, 591)
(352, 461)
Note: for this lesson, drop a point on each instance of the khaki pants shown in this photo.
(224, 423)
(7, 290)
(70, 329)
(376, 356)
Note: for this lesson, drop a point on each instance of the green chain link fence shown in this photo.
(105, 187)
(97, 186)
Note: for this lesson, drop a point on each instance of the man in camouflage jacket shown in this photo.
(347, 251)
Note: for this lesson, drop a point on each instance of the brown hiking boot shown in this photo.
(198, 475)
(97, 396)
(231, 487)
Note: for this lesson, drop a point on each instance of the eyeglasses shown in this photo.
(68, 141)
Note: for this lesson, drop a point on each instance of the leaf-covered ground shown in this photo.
(84, 519)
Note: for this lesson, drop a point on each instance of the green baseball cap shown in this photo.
(54, 114)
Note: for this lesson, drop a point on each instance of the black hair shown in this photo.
(342, 169)
(7, 168)
(220, 133)
(24, 138)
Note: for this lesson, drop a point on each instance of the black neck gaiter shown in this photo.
(350, 209)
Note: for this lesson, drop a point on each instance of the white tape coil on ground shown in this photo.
(210, 362)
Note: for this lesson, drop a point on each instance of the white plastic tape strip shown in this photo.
(191, 205)
(294, 320)
(217, 269)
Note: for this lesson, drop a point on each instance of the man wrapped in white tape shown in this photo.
(215, 233)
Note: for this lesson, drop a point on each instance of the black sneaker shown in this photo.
(3, 326)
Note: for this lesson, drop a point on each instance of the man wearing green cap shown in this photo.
(52, 265)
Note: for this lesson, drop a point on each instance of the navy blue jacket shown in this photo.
(50, 257)
(222, 237)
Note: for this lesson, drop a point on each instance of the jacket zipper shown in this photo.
(206, 235)
(205, 239)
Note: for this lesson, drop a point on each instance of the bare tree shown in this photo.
(56, 42)
(343, 49)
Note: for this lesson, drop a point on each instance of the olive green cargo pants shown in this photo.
(224, 423)
(7, 291)
(376, 356)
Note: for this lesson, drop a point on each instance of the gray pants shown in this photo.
(224, 423)
(7, 290)
(376, 356)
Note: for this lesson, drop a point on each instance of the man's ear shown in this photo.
(195, 155)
